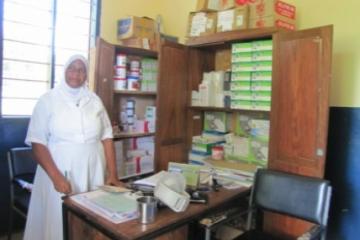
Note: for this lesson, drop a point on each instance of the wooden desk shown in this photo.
(80, 223)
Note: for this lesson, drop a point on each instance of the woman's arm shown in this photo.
(112, 176)
(43, 157)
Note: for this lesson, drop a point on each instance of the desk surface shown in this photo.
(166, 219)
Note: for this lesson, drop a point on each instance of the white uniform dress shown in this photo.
(73, 133)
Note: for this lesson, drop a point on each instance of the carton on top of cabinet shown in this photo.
(201, 24)
(232, 19)
(273, 21)
(136, 27)
(264, 8)
(214, 5)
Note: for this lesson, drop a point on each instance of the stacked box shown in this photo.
(216, 122)
(253, 135)
(251, 75)
(149, 69)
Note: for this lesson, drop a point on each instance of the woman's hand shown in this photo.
(61, 184)
(113, 181)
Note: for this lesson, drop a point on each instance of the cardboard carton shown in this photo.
(208, 5)
(273, 21)
(201, 24)
(137, 42)
(218, 5)
(265, 8)
(136, 27)
(232, 19)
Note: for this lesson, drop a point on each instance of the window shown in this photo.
(38, 37)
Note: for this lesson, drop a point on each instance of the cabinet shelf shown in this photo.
(223, 109)
(125, 135)
(231, 36)
(135, 93)
(136, 51)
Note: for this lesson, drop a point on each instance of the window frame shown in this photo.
(94, 33)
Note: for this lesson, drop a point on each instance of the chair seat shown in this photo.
(255, 235)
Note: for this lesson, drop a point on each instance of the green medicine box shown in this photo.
(241, 76)
(261, 86)
(261, 76)
(240, 85)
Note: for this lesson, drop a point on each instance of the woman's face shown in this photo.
(75, 74)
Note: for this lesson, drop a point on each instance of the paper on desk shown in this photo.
(152, 180)
(115, 207)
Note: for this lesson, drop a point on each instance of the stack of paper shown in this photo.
(115, 207)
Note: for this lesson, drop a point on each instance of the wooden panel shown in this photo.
(300, 101)
(104, 72)
(231, 36)
(179, 234)
(171, 152)
(299, 115)
(78, 229)
(171, 102)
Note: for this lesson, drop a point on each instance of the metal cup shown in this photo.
(147, 207)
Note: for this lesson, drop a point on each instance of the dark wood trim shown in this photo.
(223, 109)
(136, 51)
(135, 93)
(231, 36)
(125, 135)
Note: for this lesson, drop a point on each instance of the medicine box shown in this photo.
(261, 76)
(216, 121)
(261, 86)
(241, 76)
(252, 66)
(240, 85)
(252, 56)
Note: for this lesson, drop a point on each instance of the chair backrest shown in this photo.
(302, 197)
(21, 162)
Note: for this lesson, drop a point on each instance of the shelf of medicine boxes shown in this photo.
(231, 36)
(126, 135)
(225, 109)
(135, 93)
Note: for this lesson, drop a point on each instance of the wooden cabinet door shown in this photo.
(299, 114)
(104, 69)
(171, 105)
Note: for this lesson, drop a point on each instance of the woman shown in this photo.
(71, 137)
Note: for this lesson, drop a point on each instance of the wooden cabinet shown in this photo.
(169, 99)
(301, 75)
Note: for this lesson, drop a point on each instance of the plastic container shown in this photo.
(133, 83)
(119, 83)
(120, 71)
(121, 60)
(217, 152)
(134, 65)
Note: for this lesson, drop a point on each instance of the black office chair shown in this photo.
(22, 167)
(298, 196)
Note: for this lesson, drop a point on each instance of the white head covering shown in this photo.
(74, 94)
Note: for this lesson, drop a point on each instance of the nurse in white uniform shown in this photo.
(71, 137)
